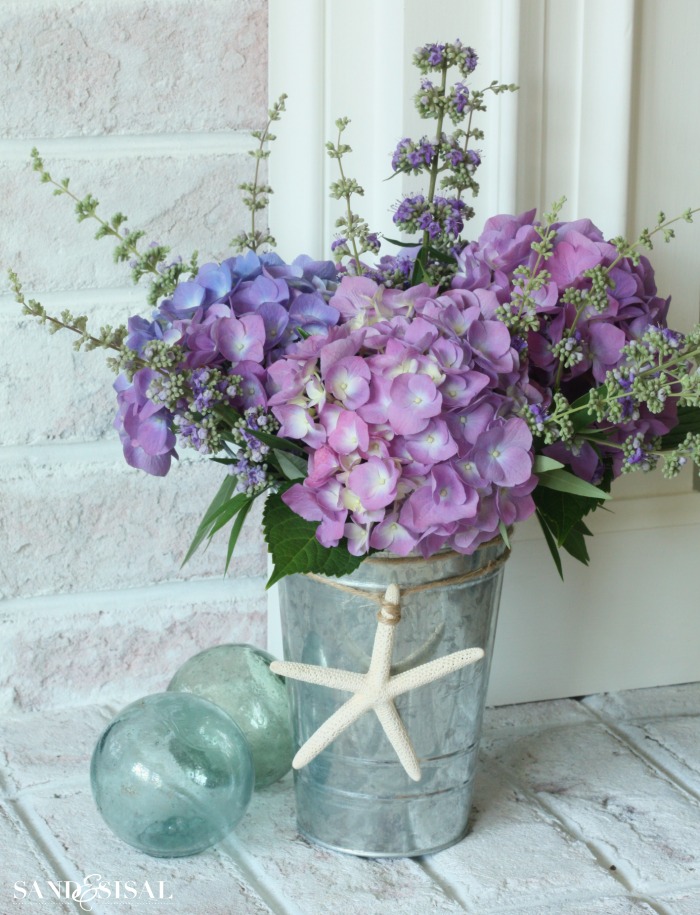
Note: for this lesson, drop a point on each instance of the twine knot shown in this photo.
(390, 606)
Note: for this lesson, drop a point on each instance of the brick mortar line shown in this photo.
(60, 452)
(180, 592)
(424, 862)
(548, 901)
(110, 296)
(56, 453)
(598, 854)
(46, 845)
(180, 145)
(265, 887)
(564, 824)
(674, 778)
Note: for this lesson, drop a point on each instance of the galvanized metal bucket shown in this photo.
(355, 796)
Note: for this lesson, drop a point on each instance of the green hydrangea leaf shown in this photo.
(291, 466)
(294, 548)
(544, 464)
(551, 542)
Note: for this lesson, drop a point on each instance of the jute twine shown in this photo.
(389, 601)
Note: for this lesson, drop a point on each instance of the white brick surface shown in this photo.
(186, 202)
(538, 845)
(209, 883)
(131, 66)
(56, 394)
(662, 724)
(630, 813)
(120, 648)
(21, 860)
(663, 701)
(69, 523)
(609, 906)
(111, 94)
(511, 719)
(62, 753)
(687, 903)
(555, 866)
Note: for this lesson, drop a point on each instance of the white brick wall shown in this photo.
(148, 106)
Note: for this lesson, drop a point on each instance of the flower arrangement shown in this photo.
(413, 401)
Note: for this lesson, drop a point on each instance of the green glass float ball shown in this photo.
(239, 679)
(172, 774)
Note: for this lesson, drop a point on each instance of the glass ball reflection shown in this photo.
(172, 774)
(238, 678)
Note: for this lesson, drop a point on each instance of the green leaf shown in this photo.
(228, 414)
(575, 545)
(294, 548)
(551, 543)
(222, 496)
(419, 274)
(544, 463)
(236, 529)
(563, 481)
(227, 511)
(504, 533)
(279, 444)
(401, 244)
(562, 511)
(580, 419)
(292, 466)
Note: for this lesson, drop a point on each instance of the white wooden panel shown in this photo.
(628, 620)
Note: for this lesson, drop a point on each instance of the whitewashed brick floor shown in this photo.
(585, 807)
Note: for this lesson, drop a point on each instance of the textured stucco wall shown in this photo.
(147, 105)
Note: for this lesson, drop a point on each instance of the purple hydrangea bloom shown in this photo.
(145, 427)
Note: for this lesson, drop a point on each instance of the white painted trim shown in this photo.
(298, 153)
(507, 38)
(605, 83)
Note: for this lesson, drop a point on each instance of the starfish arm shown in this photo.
(395, 730)
(320, 676)
(433, 670)
(333, 727)
(380, 665)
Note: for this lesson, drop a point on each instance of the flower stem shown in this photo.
(435, 167)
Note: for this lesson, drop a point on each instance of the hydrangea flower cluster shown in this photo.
(399, 398)
(208, 345)
(575, 329)
(403, 407)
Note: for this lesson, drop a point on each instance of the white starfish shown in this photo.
(376, 690)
